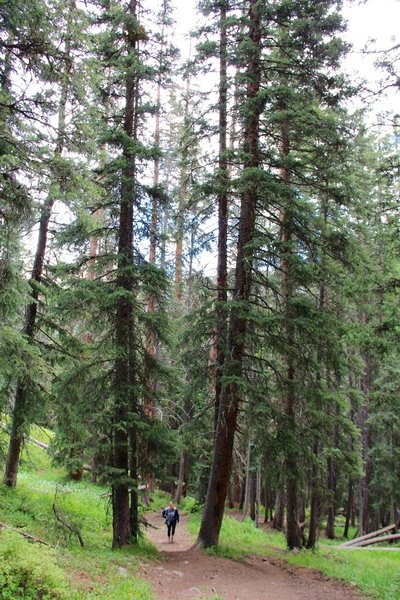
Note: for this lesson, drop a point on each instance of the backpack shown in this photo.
(170, 516)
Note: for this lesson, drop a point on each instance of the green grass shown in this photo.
(376, 574)
(69, 571)
(239, 538)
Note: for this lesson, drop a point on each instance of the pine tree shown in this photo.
(231, 393)
(22, 411)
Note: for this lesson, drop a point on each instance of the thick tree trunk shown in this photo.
(125, 517)
(231, 393)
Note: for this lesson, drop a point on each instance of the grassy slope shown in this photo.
(94, 571)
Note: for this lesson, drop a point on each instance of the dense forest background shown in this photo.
(199, 260)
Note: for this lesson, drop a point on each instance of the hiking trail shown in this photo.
(185, 574)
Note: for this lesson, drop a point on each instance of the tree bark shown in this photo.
(223, 181)
(315, 509)
(349, 508)
(293, 533)
(330, 525)
(257, 496)
(20, 418)
(247, 479)
(181, 477)
(125, 517)
(231, 393)
(366, 387)
(279, 516)
(182, 201)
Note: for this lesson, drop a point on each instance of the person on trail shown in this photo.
(171, 516)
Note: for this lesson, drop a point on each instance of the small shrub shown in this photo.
(191, 505)
(29, 571)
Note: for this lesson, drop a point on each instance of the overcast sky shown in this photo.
(376, 23)
(367, 20)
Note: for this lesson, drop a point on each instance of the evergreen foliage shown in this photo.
(275, 369)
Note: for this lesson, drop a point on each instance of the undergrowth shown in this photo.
(375, 573)
(34, 571)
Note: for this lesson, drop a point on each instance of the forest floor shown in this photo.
(186, 574)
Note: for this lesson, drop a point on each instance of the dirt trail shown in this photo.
(184, 574)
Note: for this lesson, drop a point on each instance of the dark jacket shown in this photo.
(170, 515)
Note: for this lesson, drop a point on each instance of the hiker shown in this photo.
(171, 516)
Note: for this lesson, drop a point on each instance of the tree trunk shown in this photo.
(268, 503)
(247, 480)
(330, 525)
(279, 516)
(243, 494)
(20, 415)
(258, 496)
(252, 496)
(231, 392)
(181, 477)
(313, 532)
(182, 202)
(316, 500)
(125, 517)
(223, 181)
(364, 507)
(151, 343)
(293, 533)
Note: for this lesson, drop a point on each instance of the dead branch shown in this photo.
(26, 535)
(67, 525)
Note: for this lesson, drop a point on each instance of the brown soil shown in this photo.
(185, 574)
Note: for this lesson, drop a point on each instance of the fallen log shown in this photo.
(368, 536)
(364, 549)
(377, 540)
(44, 446)
(37, 443)
(26, 535)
